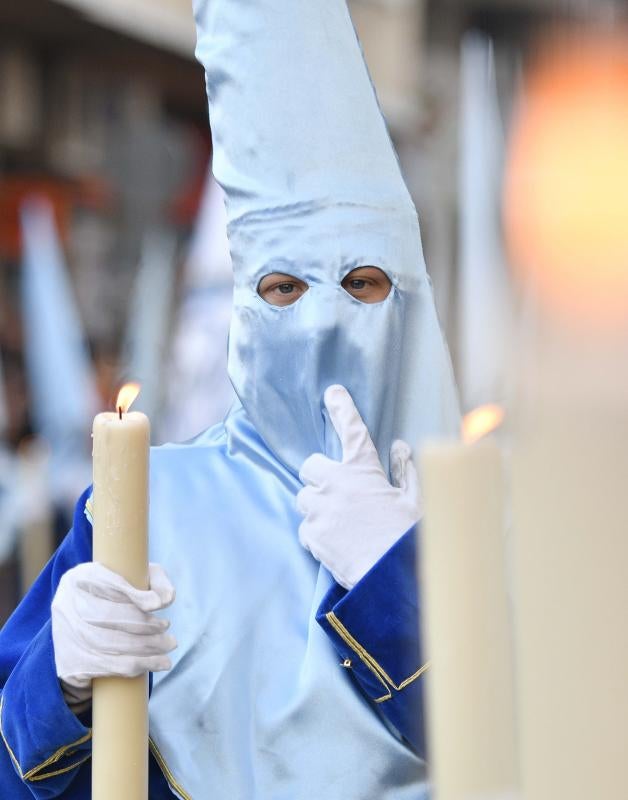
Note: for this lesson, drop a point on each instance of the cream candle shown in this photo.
(120, 510)
(565, 212)
(570, 511)
(466, 621)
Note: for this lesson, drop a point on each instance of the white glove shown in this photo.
(353, 515)
(102, 626)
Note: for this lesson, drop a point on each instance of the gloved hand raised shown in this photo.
(102, 626)
(353, 515)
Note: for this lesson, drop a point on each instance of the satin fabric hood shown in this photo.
(313, 189)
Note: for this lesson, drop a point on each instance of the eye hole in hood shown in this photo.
(367, 284)
(281, 289)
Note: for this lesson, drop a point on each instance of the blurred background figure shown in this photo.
(148, 325)
(120, 269)
(60, 376)
(198, 389)
(483, 301)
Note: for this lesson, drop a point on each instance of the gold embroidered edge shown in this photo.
(361, 652)
(161, 761)
(34, 773)
(370, 662)
(45, 775)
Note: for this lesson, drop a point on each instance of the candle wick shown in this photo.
(120, 411)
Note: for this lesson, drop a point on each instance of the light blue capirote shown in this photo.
(61, 379)
(313, 189)
(256, 705)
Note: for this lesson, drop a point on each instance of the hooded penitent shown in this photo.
(256, 704)
(313, 189)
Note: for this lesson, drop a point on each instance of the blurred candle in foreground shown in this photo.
(570, 519)
(466, 616)
(120, 510)
(566, 223)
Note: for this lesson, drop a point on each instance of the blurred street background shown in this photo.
(113, 257)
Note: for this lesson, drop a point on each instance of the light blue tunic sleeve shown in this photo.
(375, 629)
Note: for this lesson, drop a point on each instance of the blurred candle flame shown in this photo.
(566, 196)
(481, 421)
(126, 396)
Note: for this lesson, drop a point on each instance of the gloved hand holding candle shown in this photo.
(102, 626)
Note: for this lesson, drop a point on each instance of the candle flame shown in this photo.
(481, 421)
(126, 396)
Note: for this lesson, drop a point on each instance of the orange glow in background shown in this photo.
(566, 189)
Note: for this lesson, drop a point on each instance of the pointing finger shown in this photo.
(345, 417)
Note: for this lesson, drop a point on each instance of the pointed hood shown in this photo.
(62, 386)
(483, 295)
(300, 145)
(208, 261)
(313, 189)
(199, 391)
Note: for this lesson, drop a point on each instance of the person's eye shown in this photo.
(367, 284)
(279, 289)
